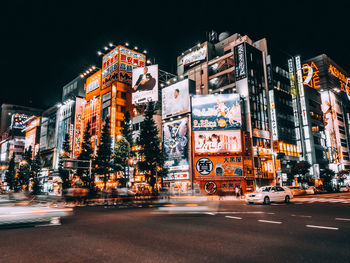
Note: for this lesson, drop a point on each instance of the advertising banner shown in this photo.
(216, 112)
(176, 99)
(145, 84)
(175, 139)
(217, 142)
(110, 67)
(129, 59)
(18, 121)
(177, 176)
(194, 58)
(218, 166)
(240, 62)
(79, 111)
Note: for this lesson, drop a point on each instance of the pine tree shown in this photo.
(11, 173)
(28, 155)
(120, 158)
(126, 129)
(64, 173)
(86, 155)
(151, 151)
(35, 170)
(104, 154)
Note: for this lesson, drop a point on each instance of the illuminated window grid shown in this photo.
(92, 113)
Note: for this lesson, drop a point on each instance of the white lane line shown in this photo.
(302, 216)
(323, 227)
(271, 222)
(209, 213)
(234, 217)
(245, 213)
(342, 219)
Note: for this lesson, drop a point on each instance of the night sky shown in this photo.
(46, 44)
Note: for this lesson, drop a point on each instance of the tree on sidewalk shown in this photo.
(11, 173)
(151, 152)
(327, 176)
(120, 158)
(301, 169)
(35, 171)
(102, 162)
(62, 171)
(86, 155)
(126, 129)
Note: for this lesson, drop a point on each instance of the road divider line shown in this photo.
(271, 222)
(342, 219)
(302, 216)
(209, 213)
(323, 227)
(234, 217)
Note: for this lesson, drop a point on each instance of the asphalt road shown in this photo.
(303, 231)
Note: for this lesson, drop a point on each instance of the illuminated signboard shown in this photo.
(119, 63)
(78, 123)
(175, 141)
(176, 99)
(240, 61)
(217, 142)
(145, 84)
(218, 166)
(128, 60)
(18, 121)
(344, 81)
(311, 75)
(194, 58)
(273, 116)
(216, 112)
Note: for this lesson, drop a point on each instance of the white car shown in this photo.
(268, 194)
(343, 188)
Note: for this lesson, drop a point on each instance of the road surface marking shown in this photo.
(245, 213)
(342, 219)
(209, 213)
(302, 216)
(323, 227)
(271, 222)
(234, 217)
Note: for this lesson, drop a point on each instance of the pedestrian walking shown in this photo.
(237, 191)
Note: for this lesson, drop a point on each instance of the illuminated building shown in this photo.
(32, 134)
(236, 64)
(323, 97)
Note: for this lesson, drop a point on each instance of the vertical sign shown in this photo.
(240, 62)
(273, 116)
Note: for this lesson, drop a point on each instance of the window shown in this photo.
(280, 189)
(123, 95)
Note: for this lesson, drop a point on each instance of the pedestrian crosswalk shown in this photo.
(321, 200)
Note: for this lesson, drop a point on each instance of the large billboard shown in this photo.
(175, 139)
(119, 63)
(194, 58)
(176, 99)
(145, 84)
(240, 61)
(216, 112)
(217, 142)
(218, 166)
(18, 121)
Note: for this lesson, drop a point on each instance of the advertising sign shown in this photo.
(216, 112)
(145, 84)
(129, 59)
(176, 99)
(175, 139)
(240, 62)
(79, 111)
(194, 58)
(110, 67)
(273, 116)
(177, 176)
(218, 166)
(217, 142)
(18, 121)
(119, 63)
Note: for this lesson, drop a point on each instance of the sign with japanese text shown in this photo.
(217, 142)
(216, 112)
(218, 166)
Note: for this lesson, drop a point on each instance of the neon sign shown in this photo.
(343, 80)
(311, 75)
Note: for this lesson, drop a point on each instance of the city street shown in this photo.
(310, 229)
